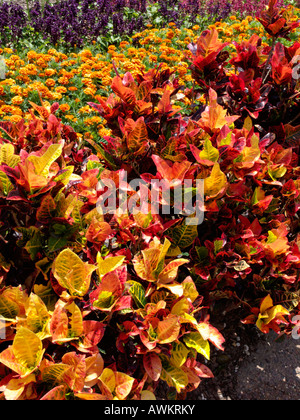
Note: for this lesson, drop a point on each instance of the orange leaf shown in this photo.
(79, 369)
(124, 385)
(214, 116)
(56, 394)
(152, 365)
(98, 231)
(211, 333)
(172, 171)
(126, 94)
(137, 138)
(208, 42)
(168, 329)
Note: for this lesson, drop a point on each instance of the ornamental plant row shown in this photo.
(101, 304)
(73, 23)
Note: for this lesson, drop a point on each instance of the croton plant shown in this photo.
(105, 305)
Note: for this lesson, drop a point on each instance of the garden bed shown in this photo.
(149, 200)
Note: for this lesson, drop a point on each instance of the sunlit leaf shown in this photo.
(215, 183)
(168, 329)
(72, 273)
(195, 340)
(25, 354)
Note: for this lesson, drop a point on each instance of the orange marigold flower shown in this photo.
(12, 118)
(41, 62)
(90, 91)
(63, 80)
(61, 89)
(31, 55)
(49, 72)
(16, 90)
(64, 107)
(17, 100)
(50, 82)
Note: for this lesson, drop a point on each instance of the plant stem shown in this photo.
(266, 69)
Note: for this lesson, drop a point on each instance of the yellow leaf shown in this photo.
(5, 185)
(7, 155)
(25, 354)
(175, 288)
(150, 263)
(266, 304)
(181, 307)
(214, 116)
(37, 316)
(12, 303)
(108, 264)
(179, 354)
(174, 376)
(209, 152)
(76, 321)
(42, 163)
(215, 183)
(249, 155)
(268, 313)
(86, 396)
(275, 312)
(162, 255)
(189, 289)
(59, 373)
(27, 348)
(72, 273)
(195, 340)
(108, 381)
(170, 272)
(248, 123)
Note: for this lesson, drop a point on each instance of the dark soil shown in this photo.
(254, 366)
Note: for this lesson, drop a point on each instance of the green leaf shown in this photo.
(32, 240)
(183, 235)
(55, 243)
(138, 293)
(218, 245)
(174, 376)
(5, 184)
